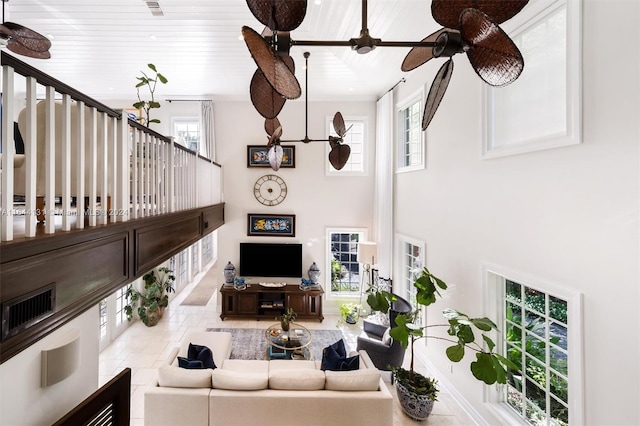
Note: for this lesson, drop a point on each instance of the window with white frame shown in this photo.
(102, 306)
(187, 132)
(412, 260)
(113, 317)
(356, 139)
(410, 135)
(121, 302)
(342, 253)
(542, 109)
(539, 331)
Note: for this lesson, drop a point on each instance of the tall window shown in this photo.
(410, 136)
(540, 334)
(103, 319)
(542, 109)
(187, 132)
(207, 249)
(121, 301)
(355, 138)
(342, 254)
(412, 262)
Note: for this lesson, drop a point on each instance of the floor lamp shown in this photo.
(367, 253)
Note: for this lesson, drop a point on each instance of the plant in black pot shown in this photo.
(417, 392)
(151, 301)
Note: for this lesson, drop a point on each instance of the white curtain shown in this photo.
(208, 148)
(383, 191)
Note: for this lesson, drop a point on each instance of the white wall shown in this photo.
(24, 402)
(567, 216)
(318, 201)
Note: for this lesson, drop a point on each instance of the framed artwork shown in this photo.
(258, 156)
(271, 225)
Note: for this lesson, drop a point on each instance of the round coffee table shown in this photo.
(291, 344)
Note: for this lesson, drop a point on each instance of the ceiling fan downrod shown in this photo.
(306, 138)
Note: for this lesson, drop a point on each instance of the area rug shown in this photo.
(205, 288)
(251, 343)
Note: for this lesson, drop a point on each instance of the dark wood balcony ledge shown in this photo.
(82, 266)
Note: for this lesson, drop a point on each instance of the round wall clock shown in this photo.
(270, 190)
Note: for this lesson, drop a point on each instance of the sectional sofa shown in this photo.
(265, 393)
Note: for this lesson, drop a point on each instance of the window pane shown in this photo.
(545, 345)
(345, 269)
(355, 139)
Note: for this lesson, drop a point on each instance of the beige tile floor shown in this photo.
(144, 349)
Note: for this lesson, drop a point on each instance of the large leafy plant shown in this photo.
(489, 367)
(154, 298)
(150, 81)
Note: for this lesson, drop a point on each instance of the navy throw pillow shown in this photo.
(339, 348)
(348, 364)
(201, 353)
(334, 358)
(190, 364)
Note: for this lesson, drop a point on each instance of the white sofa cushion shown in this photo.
(171, 376)
(239, 380)
(296, 379)
(366, 379)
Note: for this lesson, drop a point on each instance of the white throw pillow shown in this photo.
(237, 380)
(176, 377)
(297, 379)
(356, 380)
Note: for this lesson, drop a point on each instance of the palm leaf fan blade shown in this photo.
(276, 153)
(279, 15)
(275, 70)
(275, 137)
(436, 92)
(338, 125)
(493, 55)
(266, 100)
(339, 156)
(20, 49)
(27, 37)
(447, 12)
(271, 125)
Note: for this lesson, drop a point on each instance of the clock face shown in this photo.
(270, 190)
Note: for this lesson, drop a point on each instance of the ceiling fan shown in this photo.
(339, 154)
(469, 26)
(22, 40)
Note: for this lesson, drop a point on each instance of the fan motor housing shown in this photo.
(448, 44)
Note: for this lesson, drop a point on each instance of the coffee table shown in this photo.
(291, 344)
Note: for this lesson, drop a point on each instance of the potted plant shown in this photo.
(150, 82)
(416, 392)
(349, 313)
(287, 318)
(152, 301)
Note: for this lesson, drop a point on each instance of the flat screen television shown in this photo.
(270, 260)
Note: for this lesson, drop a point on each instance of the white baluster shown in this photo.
(31, 165)
(66, 162)
(50, 161)
(80, 165)
(8, 149)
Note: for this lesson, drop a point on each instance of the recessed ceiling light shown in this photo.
(351, 89)
(152, 36)
(317, 2)
(50, 36)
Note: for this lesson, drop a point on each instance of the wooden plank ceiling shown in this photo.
(100, 46)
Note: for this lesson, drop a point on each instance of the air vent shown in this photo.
(154, 7)
(23, 312)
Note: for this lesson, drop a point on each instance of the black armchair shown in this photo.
(385, 352)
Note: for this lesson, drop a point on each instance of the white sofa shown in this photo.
(265, 393)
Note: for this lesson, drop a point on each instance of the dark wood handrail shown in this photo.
(111, 402)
